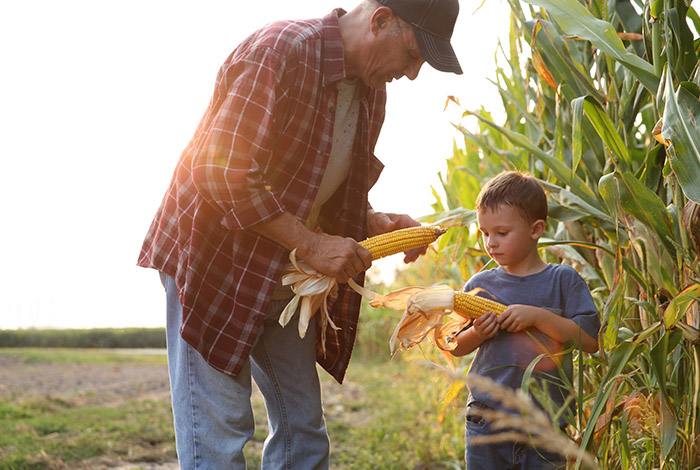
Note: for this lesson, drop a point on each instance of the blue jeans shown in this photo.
(506, 455)
(212, 412)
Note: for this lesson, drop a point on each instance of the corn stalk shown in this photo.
(601, 104)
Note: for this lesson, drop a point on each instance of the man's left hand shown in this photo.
(383, 222)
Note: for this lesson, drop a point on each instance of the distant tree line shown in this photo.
(84, 338)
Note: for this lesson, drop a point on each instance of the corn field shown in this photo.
(601, 104)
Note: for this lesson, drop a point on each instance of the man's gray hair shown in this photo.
(371, 5)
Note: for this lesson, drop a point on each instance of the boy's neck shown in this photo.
(530, 265)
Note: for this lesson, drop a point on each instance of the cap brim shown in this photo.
(437, 52)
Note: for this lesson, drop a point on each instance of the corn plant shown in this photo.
(601, 104)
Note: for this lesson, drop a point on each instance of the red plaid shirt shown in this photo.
(261, 149)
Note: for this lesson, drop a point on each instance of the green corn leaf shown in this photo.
(646, 206)
(680, 304)
(682, 128)
(619, 358)
(658, 357)
(559, 168)
(577, 21)
(603, 126)
(608, 191)
(576, 132)
(556, 55)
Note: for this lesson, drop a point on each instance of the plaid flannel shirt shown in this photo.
(261, 149)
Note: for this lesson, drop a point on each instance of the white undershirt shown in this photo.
(347, 112)
(344, 129)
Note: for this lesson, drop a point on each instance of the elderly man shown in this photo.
(282, 159)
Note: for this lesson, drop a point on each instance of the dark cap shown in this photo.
(433, 22)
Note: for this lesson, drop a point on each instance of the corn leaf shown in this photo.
(619, 358)
(682, 128)
(559, 168)
(555, 53)
(680, 304)
(646, 206)
(577, 21)
(604, 126)
(576, 133)
(658, 355)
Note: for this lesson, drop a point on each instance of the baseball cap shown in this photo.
(433, 22)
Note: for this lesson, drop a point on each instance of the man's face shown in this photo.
(394, 54)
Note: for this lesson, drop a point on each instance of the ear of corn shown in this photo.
(401, 240)
(312, 289)
(470, 305)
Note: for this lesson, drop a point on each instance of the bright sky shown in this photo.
(98, 100)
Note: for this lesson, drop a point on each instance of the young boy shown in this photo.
(548, 305)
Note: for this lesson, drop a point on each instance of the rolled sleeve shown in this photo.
(259, 207)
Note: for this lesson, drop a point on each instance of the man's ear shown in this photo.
(537, 228)
(380, 19)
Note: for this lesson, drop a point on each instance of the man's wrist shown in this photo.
(306, 243)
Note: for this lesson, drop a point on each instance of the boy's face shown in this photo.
(509, 238)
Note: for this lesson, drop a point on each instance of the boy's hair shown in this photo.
(518, 190)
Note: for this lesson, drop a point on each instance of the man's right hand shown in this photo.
(338, 257)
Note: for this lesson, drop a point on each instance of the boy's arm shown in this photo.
(518, 317)
(483, 328)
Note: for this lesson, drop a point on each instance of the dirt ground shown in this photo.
(110, 385)
(88, 385)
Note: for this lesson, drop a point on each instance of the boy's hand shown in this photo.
(486, 325)
(518, 317)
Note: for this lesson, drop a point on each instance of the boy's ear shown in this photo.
(537, 228)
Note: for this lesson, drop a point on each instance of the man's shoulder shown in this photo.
(285, 36)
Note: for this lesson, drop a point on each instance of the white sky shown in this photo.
(98, 100)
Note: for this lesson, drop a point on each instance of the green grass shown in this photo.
(45, 433)
(389, 422)
(399, 426)
(82, 356)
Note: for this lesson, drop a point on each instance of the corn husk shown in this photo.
(312, 289)
(425, 311)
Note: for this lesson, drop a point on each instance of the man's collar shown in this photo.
(334, 53)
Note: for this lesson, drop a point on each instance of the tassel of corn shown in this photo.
(401, 240)
(473, 306)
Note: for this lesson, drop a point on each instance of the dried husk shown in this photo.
(313, 290)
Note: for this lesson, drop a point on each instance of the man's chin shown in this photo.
(379, 84)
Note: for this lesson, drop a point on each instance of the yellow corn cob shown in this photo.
(401, 240)
(470, 305)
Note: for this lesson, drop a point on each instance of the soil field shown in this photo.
(106, 385)
(109, 385)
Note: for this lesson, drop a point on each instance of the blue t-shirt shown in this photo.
(505, 357)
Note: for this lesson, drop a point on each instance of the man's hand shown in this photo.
(338, 257)
(383, 222)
